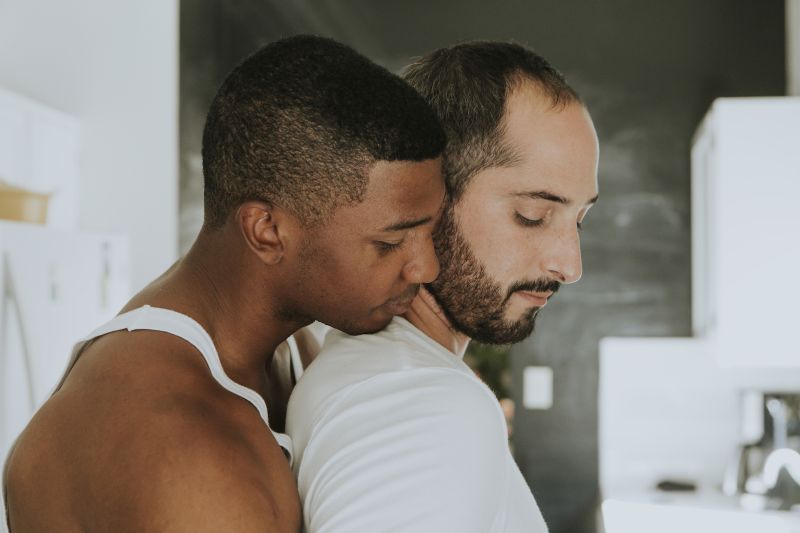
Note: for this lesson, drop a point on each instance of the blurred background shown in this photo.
(663, 383)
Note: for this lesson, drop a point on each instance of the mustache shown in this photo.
(539, 285)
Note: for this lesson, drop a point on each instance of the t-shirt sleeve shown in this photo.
(419, 450)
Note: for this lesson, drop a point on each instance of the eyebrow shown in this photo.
(407, 224)
(544, 195)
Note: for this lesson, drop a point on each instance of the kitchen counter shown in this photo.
(693, 512)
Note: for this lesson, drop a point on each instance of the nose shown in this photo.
(563, 261)
(423, 267)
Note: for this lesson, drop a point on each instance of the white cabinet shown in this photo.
(39, 151)
(746, 231)
(56, 287)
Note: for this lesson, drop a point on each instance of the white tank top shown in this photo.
(180, 325)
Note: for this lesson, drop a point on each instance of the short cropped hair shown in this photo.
(467, 85)
(299, 124)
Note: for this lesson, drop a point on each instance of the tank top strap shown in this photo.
(185, 327)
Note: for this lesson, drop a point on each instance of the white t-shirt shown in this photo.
(392, 432)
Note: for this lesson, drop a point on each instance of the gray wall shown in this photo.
(648, 71)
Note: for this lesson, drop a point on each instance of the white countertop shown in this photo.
(692, 512)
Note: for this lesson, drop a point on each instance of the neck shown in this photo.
(426, 315)
(232, 299)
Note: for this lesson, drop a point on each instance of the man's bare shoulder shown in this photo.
(213, 465)
(214, 475)
(158, 445)
(203, 459)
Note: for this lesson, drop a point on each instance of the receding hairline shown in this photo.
(560, 94)
(518, 82)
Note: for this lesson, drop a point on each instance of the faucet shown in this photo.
(782, 458)
(784, 489)
(780, 428)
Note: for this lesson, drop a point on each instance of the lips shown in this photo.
(538, 299)
(398, 307)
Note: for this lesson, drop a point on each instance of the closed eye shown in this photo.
(387, 247)
(527, 222)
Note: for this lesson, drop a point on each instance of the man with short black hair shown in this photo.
(392, 431)
(323, 185)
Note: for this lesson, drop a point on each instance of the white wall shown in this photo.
(114, 66)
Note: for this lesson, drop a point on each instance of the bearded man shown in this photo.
(392, 431)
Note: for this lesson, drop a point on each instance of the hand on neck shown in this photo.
(427, 316)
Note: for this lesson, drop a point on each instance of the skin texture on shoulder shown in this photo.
(148, 452)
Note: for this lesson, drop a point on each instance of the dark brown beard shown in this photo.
(474, 303)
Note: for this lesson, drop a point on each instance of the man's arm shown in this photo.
(410, 451)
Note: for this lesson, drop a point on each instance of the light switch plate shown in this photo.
(537, 387)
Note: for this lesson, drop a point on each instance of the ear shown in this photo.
(264, 228)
